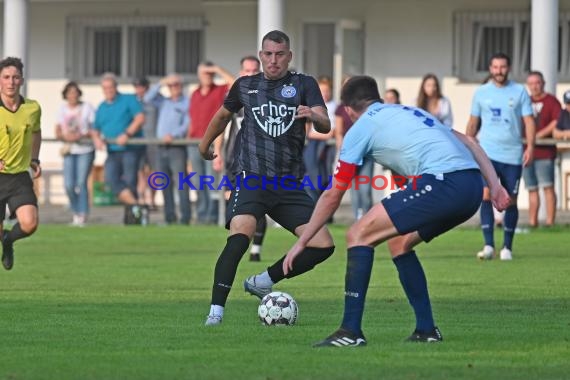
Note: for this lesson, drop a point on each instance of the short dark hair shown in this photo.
(278, 37)
(500, 56)
(68, 87)
(249, 58)
(359, 92)
(141, 81)
(537, 73)
(12, 61)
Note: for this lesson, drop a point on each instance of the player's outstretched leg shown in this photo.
(260, 230)
(358, 269)
(224, 275)
(261, 284)
(413, 280)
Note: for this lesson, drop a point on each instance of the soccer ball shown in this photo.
(278, 309)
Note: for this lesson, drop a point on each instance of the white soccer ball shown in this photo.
(278, 309)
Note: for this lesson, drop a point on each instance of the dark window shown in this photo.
(188, 51)
(147, 51)
(106, 50)
(494, 40)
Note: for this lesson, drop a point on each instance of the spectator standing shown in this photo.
(540, 172)
(173, 120)
(204, 103)
(74, 121)
(149, 159)
(361, 195)
(319, 152)
(431, 99)
(120, 117)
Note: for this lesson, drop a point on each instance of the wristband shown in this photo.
(35, 161)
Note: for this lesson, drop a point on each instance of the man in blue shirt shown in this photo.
(173, 121)
(497, 110)
(120, 117)
(446, 190)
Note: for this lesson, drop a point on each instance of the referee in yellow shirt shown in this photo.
(20, 140)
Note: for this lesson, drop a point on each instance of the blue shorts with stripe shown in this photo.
(435, 204)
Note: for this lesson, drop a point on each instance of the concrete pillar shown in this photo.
(544, 41)
(16, 31)
(270, 16)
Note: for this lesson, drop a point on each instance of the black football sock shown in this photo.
(226, 267)
(260, 231)
(15, 233)
(307, 260)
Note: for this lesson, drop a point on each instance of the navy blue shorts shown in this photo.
(435, 205)
(509, 175)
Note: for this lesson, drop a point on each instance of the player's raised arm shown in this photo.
(216, 127)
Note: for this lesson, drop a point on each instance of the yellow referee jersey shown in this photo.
(16, 130)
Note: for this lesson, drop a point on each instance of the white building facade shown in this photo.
(397, 42)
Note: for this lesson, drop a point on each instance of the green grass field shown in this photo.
(129, 303)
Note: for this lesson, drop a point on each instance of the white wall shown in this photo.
(404, 40)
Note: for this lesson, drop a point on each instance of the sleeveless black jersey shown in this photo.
(270, 141)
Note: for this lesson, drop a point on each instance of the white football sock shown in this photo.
(217, 310)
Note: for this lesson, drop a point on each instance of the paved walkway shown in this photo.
(55, 214)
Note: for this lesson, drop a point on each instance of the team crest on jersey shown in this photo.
(288, 91)
(274, 119)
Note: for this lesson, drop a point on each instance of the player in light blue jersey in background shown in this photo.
(447, 191)
(499, 108)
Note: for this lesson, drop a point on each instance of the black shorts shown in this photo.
(288, 205)
(16, 190)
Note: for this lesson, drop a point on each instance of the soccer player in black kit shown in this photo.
(268, 156)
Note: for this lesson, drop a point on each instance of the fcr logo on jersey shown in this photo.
(274, 119)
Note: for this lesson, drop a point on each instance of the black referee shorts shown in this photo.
(283, 199)
(16, 190)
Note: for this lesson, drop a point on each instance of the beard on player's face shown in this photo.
(500, 77)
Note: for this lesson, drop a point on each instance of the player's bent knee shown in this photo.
(29, 226)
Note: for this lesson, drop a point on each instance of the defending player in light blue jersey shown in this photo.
(447, 191)
(498, 110)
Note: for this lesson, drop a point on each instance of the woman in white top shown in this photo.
(431, 100)
(74, 122)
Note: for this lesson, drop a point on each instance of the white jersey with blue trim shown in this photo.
(407, 140)
(501, 110)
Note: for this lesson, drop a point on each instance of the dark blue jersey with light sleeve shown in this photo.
(270, 141)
